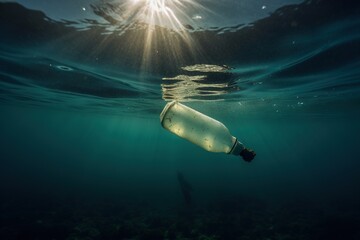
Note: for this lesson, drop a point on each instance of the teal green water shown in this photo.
(83, 154)
(302, 157)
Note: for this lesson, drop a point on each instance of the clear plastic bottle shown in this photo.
(201, 130)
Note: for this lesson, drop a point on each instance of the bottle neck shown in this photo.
(237, 148)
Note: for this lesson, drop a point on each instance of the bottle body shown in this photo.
(197, 128)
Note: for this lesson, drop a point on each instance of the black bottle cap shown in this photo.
(247, 154)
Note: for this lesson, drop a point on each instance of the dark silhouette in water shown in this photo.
(185, 188)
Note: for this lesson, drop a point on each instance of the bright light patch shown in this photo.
(168, 13)
(159, 29)
(197, 17)
(160, 19)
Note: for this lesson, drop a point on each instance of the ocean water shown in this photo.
(83, 154)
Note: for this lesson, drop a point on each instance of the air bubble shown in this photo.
(64, 68)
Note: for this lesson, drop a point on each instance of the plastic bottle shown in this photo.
(202, 130)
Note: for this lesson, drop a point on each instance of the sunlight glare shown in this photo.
(160, 29)
(168, 13)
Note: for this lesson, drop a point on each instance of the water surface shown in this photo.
(83, 155)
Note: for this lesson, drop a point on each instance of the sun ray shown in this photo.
(165, 25)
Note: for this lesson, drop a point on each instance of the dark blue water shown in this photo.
(83, 154)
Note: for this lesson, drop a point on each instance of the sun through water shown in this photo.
(165, 28)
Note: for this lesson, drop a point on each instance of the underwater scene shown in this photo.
(180, 119)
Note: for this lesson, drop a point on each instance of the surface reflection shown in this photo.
(210, 82)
